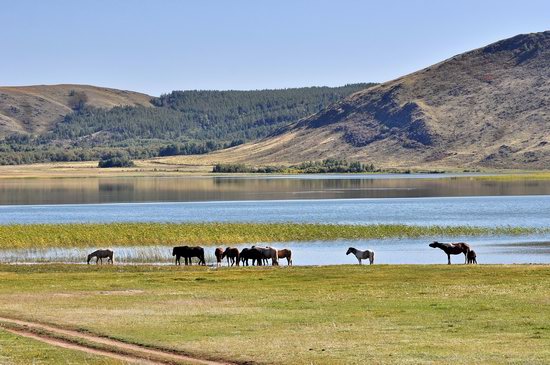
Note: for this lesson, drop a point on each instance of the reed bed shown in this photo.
(210, 234)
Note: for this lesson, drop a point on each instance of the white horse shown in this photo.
(362, 255)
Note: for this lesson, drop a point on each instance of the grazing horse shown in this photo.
(285, 254)
(219, 256)
(452, 249)
(187, 253)
(232, 254)
(100, 255)
(472, 257)
(266, 254)
(251, 254)
(362, 255)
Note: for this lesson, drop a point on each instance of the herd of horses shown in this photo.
(254, 255)
(260, 256)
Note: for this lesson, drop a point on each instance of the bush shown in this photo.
(115, 160)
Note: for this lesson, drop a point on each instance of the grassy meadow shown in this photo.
(136, 234)
(402, 314)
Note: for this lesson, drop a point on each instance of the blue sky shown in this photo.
(158, 46)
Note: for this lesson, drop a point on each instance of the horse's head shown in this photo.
(89, 258)
(350, 250)
(174, 251)
(226, 252)
(434, 244)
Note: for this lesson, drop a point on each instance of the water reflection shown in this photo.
(182, 189)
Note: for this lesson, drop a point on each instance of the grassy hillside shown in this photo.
(485, 108)
(36, 109)
(182, 122)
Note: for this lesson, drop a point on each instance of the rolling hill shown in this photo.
(36, 109)
(489, 107)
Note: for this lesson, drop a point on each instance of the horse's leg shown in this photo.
(448, 259)
(358, 259)
(97, 260)
(466, 257)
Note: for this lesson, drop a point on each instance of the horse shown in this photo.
(285, 254)
(266, 254)
(251, 254)
(219, 256)
(100, 255)
(232, 254)
(187, 253)
(362, 255)
(472, 257)
(452, 249)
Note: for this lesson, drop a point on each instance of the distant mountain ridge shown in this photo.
(489, 107)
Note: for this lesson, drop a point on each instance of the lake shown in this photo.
(423, 199)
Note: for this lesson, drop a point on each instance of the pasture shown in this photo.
(399, 314)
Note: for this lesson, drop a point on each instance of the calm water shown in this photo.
(493, 250)
(188, 189)
(528, 211)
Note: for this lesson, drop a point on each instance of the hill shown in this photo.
(53, 125)
(489, 107)
(36, 109)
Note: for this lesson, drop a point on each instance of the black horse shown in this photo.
(251, 254)
(187, 253)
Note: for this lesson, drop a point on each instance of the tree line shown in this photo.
(180, 122)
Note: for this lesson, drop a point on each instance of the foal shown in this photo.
(453, 249)
(362, 255)
(472, 257)
(219, 256)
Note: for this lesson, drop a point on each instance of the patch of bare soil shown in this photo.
(98, 345)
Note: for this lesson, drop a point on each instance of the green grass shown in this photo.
(134, 234)
(402, 314)
(17, 350)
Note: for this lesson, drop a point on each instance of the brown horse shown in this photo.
(472, 257)
(452, 249)
(232, 254)
(100, 255)
(285, 254)
(219, 256)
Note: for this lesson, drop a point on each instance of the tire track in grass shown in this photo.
(98, 345)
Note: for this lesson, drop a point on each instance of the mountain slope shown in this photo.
(488, 107)
(35, 109)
